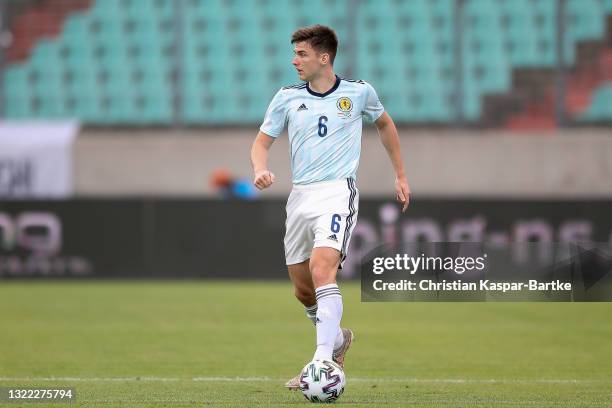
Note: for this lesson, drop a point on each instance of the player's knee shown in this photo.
(321, 274)
(305, 295)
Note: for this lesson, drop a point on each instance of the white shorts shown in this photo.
(321, 214)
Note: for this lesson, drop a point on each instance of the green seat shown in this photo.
(239, 104)
(82, 83)
(585, 20)
(17, 107)
(197, 27)
(194, 108)
(481, 22)
(243, 8)
(107, 9)
(157, 107)
(78, 56)
(152, 81)
(17, 92)
(149, 58)
(422, 78)
(417, 107)
(212, 80)
(49, 86)
(547, 51)
(16, 81)
(118, 81)
(46, 53)
(112, 63)
(152, 10)
(275, 29)
(437, 108)
(546, 7)
(85, 107)
(109, 52)
(600, 108)
(283, 10)
(490, 78)
(523, 54)
(78, 26)
(419, 9)
(217, 110)
(243, 29)
(441, 8)
(122, 108)
(52, 108)
(519, 10)
(480, 12)
(471, 104)
(200, 8)
(398, 106)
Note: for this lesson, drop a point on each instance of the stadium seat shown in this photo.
(85, 107)
(83, 81)
(77, 26)
(114, 62)
(600, 108)
(17, 107)
(16, 80)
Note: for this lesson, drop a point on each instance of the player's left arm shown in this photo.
(390, 139)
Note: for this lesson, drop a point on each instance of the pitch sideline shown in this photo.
(352, 379)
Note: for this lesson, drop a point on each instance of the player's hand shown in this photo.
(264, 179)
(402, 191)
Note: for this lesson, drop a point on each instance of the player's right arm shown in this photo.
(272, 126)
(259, 159)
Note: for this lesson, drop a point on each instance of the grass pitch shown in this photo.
(199, 343)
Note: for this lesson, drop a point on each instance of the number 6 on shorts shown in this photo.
(335, 223)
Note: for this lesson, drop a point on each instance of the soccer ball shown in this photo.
(322, 381)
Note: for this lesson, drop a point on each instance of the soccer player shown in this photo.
(324, 118)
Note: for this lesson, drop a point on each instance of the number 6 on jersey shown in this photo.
(322, 126)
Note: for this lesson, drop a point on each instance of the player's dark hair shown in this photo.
(320, 37)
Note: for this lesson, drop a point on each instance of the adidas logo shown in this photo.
(333, 237)
(302, 107)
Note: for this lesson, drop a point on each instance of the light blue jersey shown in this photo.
(324, 129)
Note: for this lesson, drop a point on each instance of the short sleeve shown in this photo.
(372, 108)
(276, 116)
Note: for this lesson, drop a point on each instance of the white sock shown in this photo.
(329, 314)
(311, 313)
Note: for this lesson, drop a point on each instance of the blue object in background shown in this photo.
(244, 189)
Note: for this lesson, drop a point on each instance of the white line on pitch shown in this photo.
(355, 379)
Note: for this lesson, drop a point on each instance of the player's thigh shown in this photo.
(299, 234)
(337, 218)
(324, 263)
(302, 281)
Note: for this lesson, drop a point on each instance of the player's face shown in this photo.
(307, 61)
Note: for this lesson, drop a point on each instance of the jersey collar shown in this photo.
(331, 90)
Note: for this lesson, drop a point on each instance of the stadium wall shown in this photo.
(193, 238)
(458, 163)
